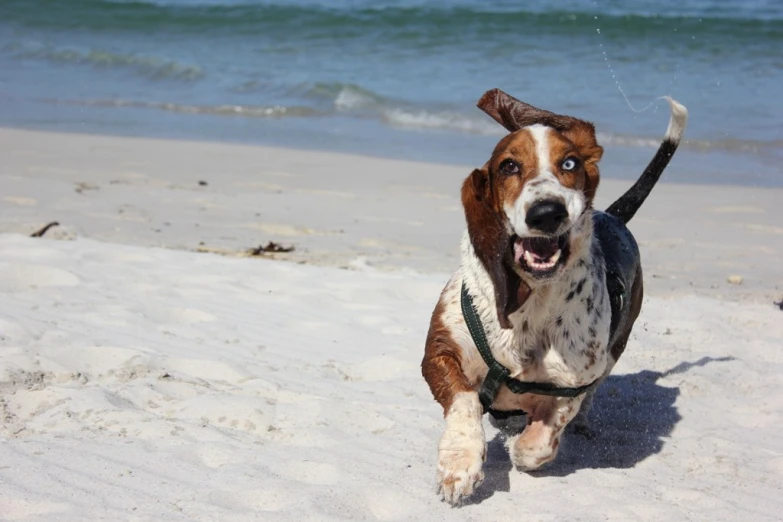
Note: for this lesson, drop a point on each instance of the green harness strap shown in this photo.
(499, 374)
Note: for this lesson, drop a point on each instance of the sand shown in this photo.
(141, 379)
(338, 208)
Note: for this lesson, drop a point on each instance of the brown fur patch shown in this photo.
(561, 148)
(520, 147)
(442, 363)
(582, 135)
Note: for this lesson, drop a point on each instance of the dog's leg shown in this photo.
(538, 444)
(462, 449)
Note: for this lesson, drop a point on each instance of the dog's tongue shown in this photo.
(541, 247)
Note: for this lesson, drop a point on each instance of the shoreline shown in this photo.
(459, 148)
(348, 210)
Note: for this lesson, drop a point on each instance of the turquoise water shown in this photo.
(401, 78)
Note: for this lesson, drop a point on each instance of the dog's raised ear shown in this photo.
(514, 114)
(491, 243)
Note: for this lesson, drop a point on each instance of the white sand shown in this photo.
(336, 207)
(140, 383)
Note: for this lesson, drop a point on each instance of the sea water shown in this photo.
(400, 78)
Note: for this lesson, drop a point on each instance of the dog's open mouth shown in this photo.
(541, 256)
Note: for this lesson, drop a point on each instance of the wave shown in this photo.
(345, 96)
(246, 111)
(441, 120)
(151, 66)
(726, 145)
(350, 99)
(420, 119)
(393, 21)
(452, 121)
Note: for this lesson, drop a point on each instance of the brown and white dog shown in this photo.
(556, 285)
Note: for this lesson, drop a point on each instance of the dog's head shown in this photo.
(526, 207)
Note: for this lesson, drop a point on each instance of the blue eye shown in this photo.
(570, 164)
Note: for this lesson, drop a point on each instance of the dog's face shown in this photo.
(540, 181)
(527, 206)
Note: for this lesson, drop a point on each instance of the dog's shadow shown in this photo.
(631, 417)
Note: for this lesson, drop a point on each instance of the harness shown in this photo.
(620, 254)
(499, 374)
(621, 259)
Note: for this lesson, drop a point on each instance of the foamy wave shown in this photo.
(628, 141)
(354, 98)
(247, 111)
(349, 98)
(729, 145)
(443, 120)
(152, 66)
(343, 96)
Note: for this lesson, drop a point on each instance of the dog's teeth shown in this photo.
(542, 264)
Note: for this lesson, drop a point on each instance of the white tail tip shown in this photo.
(677, 121)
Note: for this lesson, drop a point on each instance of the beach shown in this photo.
(225, 224)
(150, 369)
(339, 209)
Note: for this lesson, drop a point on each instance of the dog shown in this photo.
(546, 295)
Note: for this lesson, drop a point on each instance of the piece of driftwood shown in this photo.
(270, 248)
(42, 231)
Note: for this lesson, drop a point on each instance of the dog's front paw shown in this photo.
(459, 473)
(462, 451)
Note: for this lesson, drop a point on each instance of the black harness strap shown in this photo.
(499, 374)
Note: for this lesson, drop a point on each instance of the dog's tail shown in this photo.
(625, 207)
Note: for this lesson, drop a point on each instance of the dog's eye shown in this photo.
(509, 167)
(570, 164)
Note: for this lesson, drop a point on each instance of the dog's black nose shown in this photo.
(546, 216)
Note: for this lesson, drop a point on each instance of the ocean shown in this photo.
(400, 78)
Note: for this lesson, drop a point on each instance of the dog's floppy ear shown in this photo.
(514, 114)
(490, 241)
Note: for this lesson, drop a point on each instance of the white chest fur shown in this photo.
(560, 335)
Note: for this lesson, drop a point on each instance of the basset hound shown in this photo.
(546, 295)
